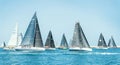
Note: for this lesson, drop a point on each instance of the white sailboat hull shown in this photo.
(63, 48)
(6, 48)
(101, 48)
(50, 49)
(80, 49)
(29, 49)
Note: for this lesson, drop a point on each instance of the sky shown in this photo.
(60, 16)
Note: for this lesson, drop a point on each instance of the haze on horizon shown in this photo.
(60, 16)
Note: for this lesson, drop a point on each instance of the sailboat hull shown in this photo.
(30, 49)
(101, 48)
(50, 49)
(63, 48)
(80, 49)
(7, 48)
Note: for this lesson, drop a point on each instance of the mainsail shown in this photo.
(64, 43)
(14, 38)
(50, 42)
(101, 41)
(32, 37)
(112, 43)
(79, 39)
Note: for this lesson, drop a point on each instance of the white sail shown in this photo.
(20, 37)
(14, 38)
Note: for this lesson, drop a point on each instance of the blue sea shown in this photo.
(61, 57)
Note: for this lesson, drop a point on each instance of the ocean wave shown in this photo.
(105, 53)
(52, 53)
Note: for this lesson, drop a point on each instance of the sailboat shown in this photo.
(79, 41)
(14, 39)
(32, 40)
(64, 44)
(111, 43)
(49, 44)
(101, 42)
(4, 44)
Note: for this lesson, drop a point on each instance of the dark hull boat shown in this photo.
(49, 44)
(64, 44)
(32, 40)
(101, 42)
(79, 41)
(111, 43)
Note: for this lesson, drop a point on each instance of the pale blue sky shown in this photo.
(60, 16)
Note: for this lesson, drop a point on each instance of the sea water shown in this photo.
(61, 57)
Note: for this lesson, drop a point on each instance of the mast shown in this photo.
(101, 41)
(64, 43)
(49, 41)
(79, 39)
(112, 43)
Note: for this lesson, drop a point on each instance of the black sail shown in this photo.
(32, 36)
(49, 41)
(4, 44)
(76, 37)
(64, 43)
(84, 39)
(38, 39)
(79, 39)
(101, 41)
(112, 43)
